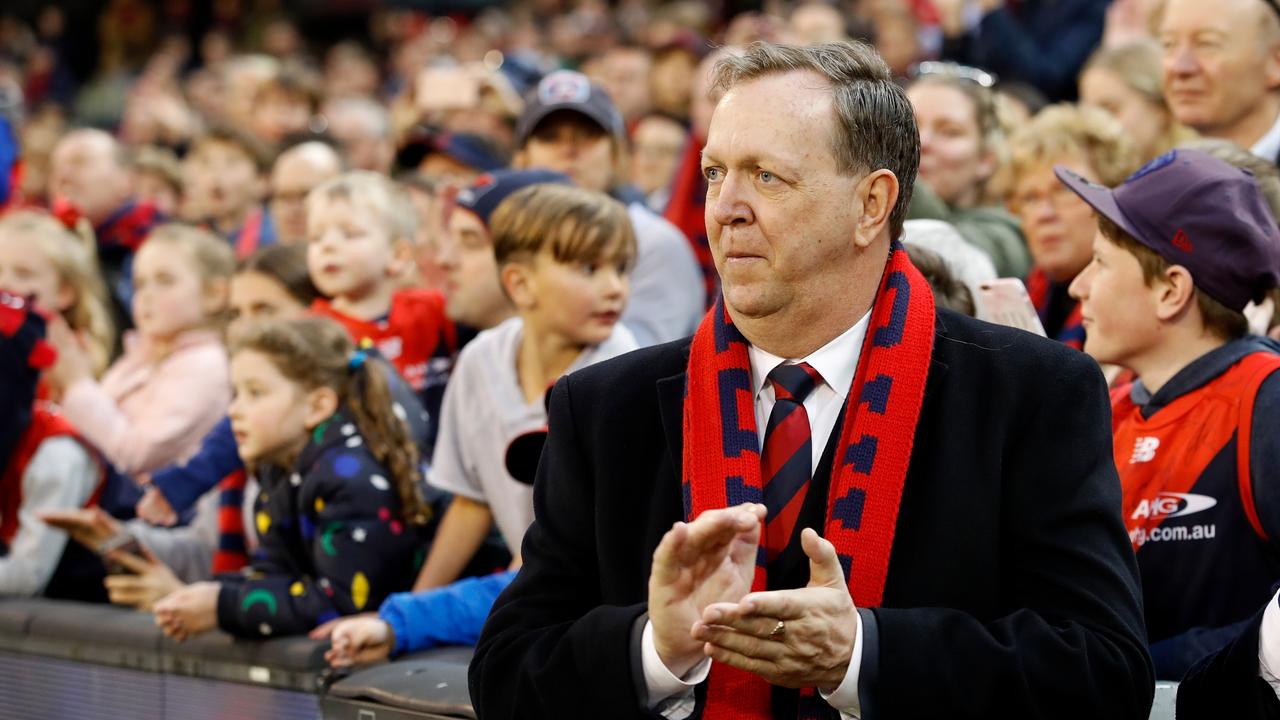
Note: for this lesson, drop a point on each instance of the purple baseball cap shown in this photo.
(569, 90)
(1199, 212)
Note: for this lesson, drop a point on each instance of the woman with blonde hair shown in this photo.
(1059, 226)
(40, 258)
(1125, 81)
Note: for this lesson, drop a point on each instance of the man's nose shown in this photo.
(730, 204)
(1182, 61)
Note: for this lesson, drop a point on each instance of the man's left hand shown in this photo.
(818, 626)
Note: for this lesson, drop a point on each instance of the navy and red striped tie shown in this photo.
(786, 463)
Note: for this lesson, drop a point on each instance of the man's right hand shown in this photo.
(710, 560)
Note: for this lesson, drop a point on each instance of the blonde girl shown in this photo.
(340, 508)
(41, 258)
(170, 386)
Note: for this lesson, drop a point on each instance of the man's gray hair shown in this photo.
(876, 127)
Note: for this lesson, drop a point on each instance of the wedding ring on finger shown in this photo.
(778, 630)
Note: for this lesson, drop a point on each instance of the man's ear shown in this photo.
(879, 194)
(517, 281)
(1175, 294)
(321, 404)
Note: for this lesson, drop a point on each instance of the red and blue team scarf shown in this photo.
(722, 453)
(687, 210)
(1040, 289)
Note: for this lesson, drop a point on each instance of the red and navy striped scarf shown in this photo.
(722, 453)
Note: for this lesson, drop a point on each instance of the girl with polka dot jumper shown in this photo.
(340, 514)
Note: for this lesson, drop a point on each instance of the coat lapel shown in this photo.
(671, 408)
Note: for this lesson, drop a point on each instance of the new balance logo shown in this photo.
(1182, 242)
(1144, 450)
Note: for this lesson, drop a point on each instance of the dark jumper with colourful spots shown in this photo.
(331, 540)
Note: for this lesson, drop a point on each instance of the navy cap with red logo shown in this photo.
(569, 90)
(1199, 212)
(488, 191)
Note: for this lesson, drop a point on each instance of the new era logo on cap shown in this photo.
(1182, 242)
(564, 86)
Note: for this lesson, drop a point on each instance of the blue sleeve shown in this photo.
(1049, 60)
(1264, 456)
(217, 458)
(451, 615)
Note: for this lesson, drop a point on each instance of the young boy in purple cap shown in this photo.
(571, 126)
(1183, 245)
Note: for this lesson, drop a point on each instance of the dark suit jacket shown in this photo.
(1226, 683)
(1012, 589)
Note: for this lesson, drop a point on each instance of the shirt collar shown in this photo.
(836, 362)
(1268, 146)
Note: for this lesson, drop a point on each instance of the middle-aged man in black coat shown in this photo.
(1010, 589)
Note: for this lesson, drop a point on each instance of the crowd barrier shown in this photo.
(75, 661)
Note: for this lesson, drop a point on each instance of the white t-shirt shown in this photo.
(484, 410)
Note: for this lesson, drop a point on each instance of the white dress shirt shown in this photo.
(1268, 146)
(836, 362)
(1269, 646)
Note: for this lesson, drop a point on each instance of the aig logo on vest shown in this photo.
(1171, 505)
(1144, 450)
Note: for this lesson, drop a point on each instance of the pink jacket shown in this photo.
(145, 414)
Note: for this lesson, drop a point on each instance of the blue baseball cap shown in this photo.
(484, 195)
(1199, 212)
(573, 91)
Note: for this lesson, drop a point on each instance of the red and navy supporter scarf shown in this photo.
(722, 453)
(1041, 291)
(232, 552)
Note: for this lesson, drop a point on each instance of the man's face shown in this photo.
(86, 172)
(625, 76)
(573, 144)
(655, 152)
(780, 217)
(1220, 61)
(1118, 307)
(293, 176)
(222, 182)
(473, 293)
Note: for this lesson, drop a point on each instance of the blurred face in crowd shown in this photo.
(816, 23)
(1058, 225)
(153, 187)
(473, 292)
(578, 302)
(88, 172)
(279, 113)
(655, 152)
(1146, 121)
(1119, 309)
(624, 74)
(294, 174)
(26, 272)
(671, 81)
(169, 296)
(364, 136)
(426, 247)
(780, 216)
(952, 159)
(571, 143)
(1221, 64)
(350, 253)
(257, 296)
(221, 182)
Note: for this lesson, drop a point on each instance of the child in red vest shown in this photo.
(360, 233)
(1183, 245)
